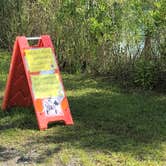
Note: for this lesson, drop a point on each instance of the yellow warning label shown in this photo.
(40, 59)
(47, 85)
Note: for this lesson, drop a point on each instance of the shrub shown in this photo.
(145, 74)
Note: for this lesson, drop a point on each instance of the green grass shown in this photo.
(112, 127)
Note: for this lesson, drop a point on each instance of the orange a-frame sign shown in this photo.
(34, 78)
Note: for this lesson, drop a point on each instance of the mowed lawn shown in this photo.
(112, 127)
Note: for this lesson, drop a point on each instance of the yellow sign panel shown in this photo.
(41, 59)
(46, 85)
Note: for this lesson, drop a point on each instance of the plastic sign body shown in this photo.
(34, 78)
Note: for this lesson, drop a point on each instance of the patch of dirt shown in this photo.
(7, 153)
(24, 159)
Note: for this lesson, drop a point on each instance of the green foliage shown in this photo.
(92, 36)
(145, 74)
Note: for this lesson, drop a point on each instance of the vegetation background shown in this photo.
(123, 39)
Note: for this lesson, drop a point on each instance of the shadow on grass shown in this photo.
(111, 121)
(22, 118)
(105, 120)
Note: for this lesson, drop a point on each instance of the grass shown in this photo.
(112, 127)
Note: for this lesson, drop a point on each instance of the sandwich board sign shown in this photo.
(34, 79)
